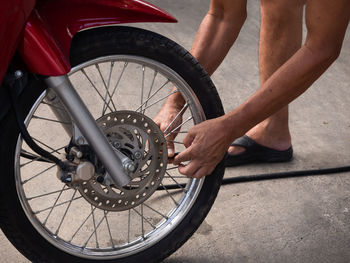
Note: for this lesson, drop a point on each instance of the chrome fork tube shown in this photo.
(59, 110)
(87, 125)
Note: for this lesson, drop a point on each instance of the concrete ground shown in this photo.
(289, 220)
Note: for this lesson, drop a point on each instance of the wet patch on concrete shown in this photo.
(205, 229)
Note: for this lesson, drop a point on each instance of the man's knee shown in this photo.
(231, 11)
(326, 24)
(277, 12)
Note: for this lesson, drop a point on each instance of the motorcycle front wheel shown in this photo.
(123, 75)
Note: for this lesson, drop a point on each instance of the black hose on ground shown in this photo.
(271, 176)
(282, 175)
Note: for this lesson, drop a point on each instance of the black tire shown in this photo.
(86, 46)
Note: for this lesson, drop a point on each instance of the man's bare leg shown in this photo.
(326, 22)
(216, 34)
(280, 38)
(218, 31)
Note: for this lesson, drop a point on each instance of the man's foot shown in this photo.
(256, 153)
(168, 119)
(275, 137)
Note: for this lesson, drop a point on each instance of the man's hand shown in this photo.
(206, 145)
(169, 119)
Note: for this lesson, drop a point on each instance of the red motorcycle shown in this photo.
(85, 172)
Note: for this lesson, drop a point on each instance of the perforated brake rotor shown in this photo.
(139, 138)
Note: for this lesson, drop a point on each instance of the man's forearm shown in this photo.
(286, 84)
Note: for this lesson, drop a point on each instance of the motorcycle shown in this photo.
(85, 171)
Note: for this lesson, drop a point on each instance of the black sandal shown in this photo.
(256, 153)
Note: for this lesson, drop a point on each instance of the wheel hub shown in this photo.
(139, 138)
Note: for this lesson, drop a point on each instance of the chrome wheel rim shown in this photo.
(64, 218)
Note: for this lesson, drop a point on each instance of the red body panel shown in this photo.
(52, 25)
(13, 16)
(39, 49)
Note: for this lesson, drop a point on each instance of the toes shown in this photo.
(234, 150)
(171, 149)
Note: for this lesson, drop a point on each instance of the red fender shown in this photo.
(13, 17)
(52, 25)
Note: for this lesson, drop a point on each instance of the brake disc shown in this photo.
(139, 138)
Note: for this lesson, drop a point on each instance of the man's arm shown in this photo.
(208, 142)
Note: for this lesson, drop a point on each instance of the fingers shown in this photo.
(171, 159)
(194, 169)
(201, 172)
(188, 169)
(188, 139)
(183, 156)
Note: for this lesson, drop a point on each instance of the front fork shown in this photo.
(117, 164)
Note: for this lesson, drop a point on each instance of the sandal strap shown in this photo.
(251, 145)
(244, 142)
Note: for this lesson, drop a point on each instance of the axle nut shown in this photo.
(130, 167)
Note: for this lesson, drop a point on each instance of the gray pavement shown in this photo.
(289, 220)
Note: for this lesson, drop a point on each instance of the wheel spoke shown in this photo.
(31, 156)
(108, 85)
(54, 205)
(137, 212)
(52, 149)
(161, 99)
(109, 229)
(166, 190)
(50, 193)
(176, 142)
(52, 120)
(105, 85)
(179, 177)
(154, 210)
(116, 85)
(150, 89)
(177, 132)
(53, 106)
(129, 219)
(39, 157)
(93, 232)
(60, 204)
(94, 222)
(172, 168)
(180, 186)
(34, 176)
(65, 213)
(142, 226)
(142, 86)
(82, 224)
(183, 123)
(150, 97)
(93, 85)
(177, 116)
